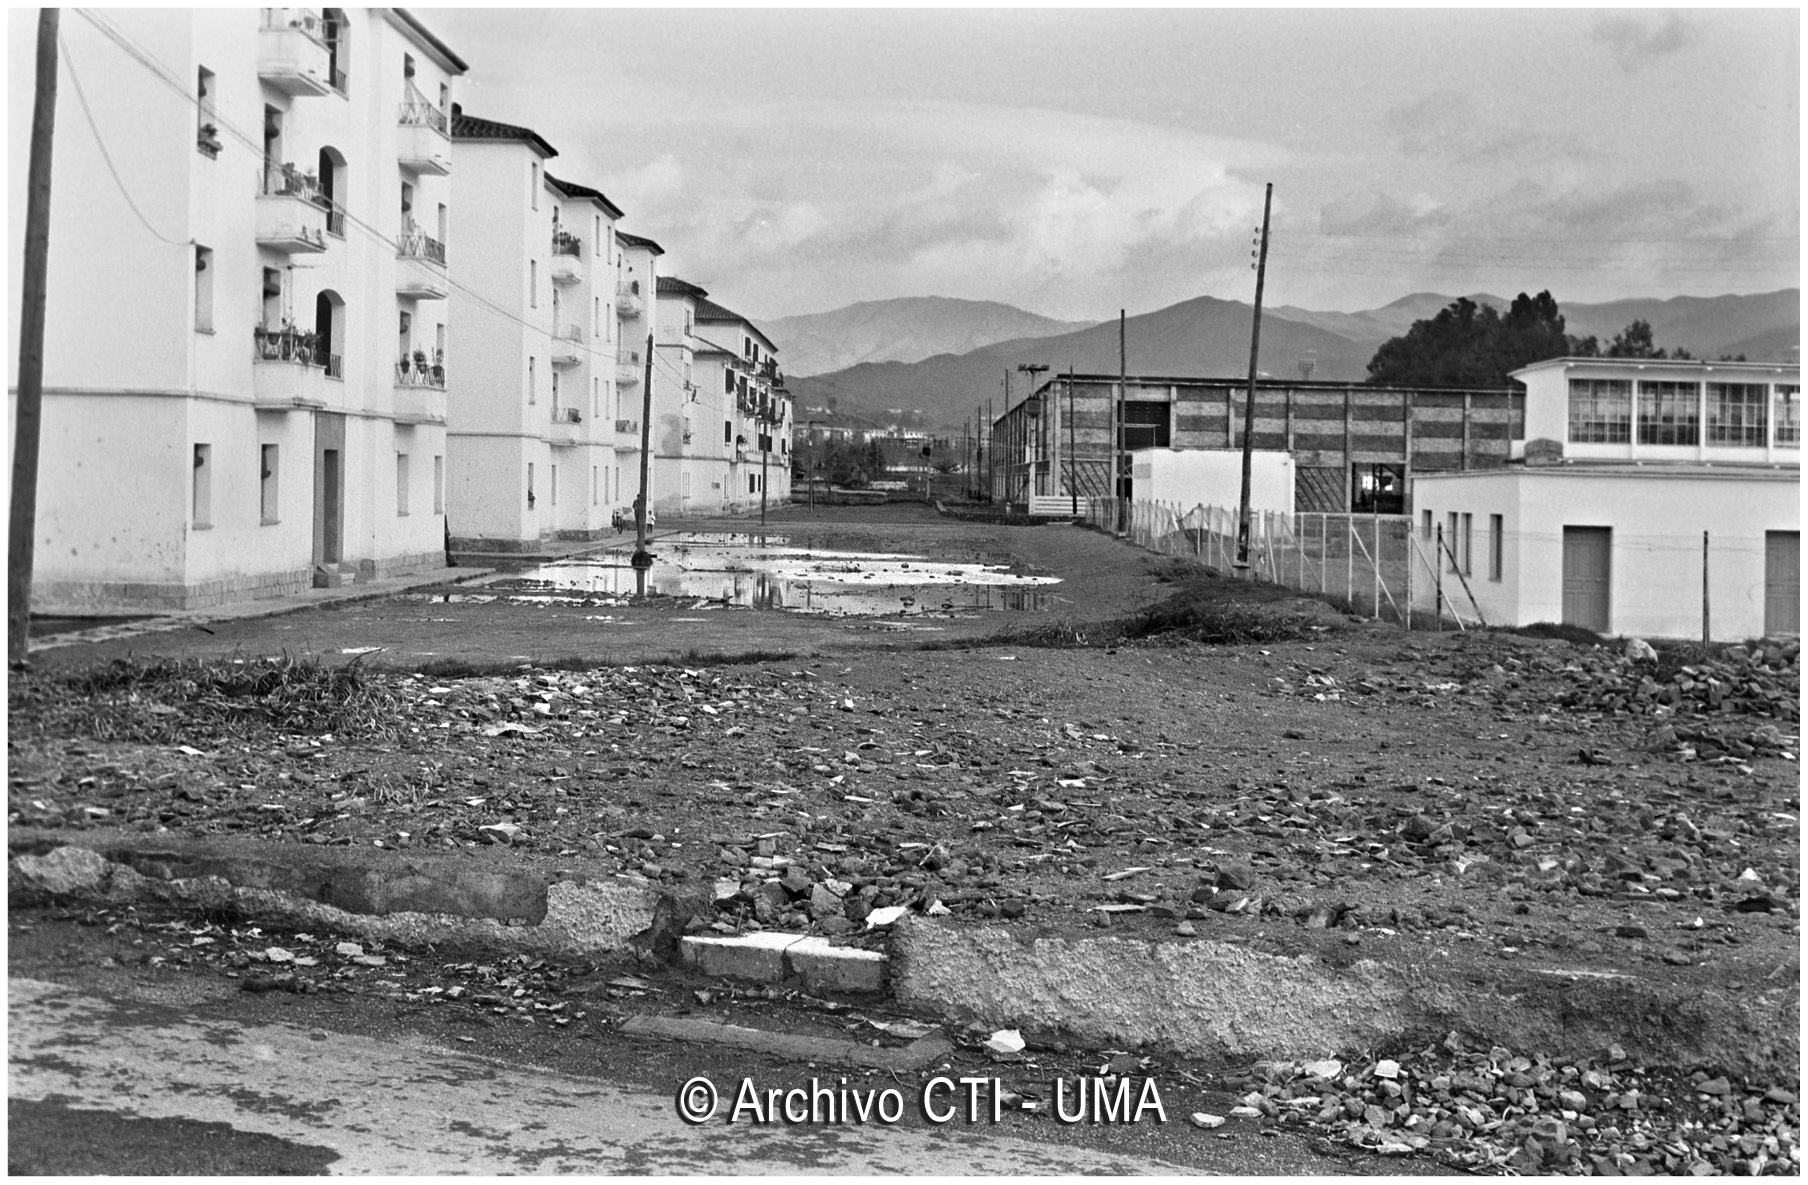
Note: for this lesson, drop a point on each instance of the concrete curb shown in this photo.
(776, 958)
(1224, 1001)
(461, 900)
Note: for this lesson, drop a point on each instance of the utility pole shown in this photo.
(1073, 459)
(1249, 403)
(991, 432)
(1033, 370)
(765, 421)
(23, 522)
(642, 558)
(1117, 429)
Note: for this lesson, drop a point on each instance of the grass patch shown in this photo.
(163, 701)
(1575, 635)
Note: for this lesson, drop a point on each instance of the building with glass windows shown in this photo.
(1643, 497)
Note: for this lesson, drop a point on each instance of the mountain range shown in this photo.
(925, 362)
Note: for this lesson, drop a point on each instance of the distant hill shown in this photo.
(1209, 338)
(908, 329)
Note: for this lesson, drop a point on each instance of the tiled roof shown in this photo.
(628, 240)
(470, 127)
(672, 285)
(709, 310)
(572, 189)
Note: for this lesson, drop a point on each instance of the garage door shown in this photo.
(1587, 567)
(1782, 582)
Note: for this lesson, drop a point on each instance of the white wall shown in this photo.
(1657, 517)
(1213, 477)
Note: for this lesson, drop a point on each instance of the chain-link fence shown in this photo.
(1373, 563)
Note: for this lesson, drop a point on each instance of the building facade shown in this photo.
(1659, 498)
(636, 306)
(721, 441)
(1355, 446)
(239, 426)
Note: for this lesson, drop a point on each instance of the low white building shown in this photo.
(1634, 477)
(1213, 477)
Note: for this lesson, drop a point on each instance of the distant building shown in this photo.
(636, 297)
(727, 441)
(233, 422)
(1354, 446)
(1631, 475)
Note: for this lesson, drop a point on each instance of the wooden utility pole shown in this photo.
(1117, 427)
(1073, 459)
(990, 434)
(23, 523)
(1249, 403)
(1704, 588)
(642, 558)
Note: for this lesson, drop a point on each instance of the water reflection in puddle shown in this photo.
(768, 572)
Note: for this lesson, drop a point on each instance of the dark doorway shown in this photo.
(1587, 577)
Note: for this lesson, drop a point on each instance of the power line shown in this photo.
(88, 114)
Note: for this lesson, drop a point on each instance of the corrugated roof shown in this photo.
(572, 189)
(471, 127)
(628, 240)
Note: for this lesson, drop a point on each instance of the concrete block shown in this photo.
(827, 968)
(759, 957)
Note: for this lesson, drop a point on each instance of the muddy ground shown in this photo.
(1337, 786)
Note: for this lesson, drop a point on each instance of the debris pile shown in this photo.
(1762, 681)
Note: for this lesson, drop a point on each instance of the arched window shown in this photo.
(332, 169)
(329, 332)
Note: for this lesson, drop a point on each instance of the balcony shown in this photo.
(567, 345)
(567, 265)
(565, 426)
(292, 54)
(421, 267)
(628, 428)
(290, 369)
(627, 369)
(292, 212)
(416, 374)
(424, 137)
(628, 301)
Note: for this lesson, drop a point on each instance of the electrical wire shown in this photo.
(107, 157)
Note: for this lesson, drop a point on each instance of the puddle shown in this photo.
(768, 572)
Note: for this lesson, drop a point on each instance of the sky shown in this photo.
(1075, 161)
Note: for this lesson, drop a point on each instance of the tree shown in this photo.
(1637, 341)
(1470, 345)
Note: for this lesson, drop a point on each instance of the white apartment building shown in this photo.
(637, 281)
(533, 436)
(237, 424)
(1637, 481)
(727, 441)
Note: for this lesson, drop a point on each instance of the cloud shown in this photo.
(1637, 38)
(1448, 126)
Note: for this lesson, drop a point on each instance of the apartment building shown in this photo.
(275, 185)
(727, 441)
(636, 308)
(533, 436)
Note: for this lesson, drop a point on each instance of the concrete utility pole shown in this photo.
(1249, 404)
(642, 558)
(23, 522)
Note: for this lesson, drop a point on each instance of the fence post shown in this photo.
(1437, 573)
(1324, 556)
(1299, 548)
(1410, 544)
(1375, 563)
(1704, 588)
(1349, 560)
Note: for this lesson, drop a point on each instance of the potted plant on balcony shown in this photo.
(207, 139)
(439, 368)
(420, 361)
(402, 364)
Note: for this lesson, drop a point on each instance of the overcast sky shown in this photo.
(1075, 161)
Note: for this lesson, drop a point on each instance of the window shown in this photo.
(728, 382)
(727, 431)
(532, 384)
(688, 323)
(533, 283)
(753, 483)
(1468, 549)
(439, 484)
(1736, 414)
(1788, 403)
(207, 131)
(1144, 424)
(1450, 540)
(338, 55)
(596, 399)
(401, 485)
(1600, 411)
(533, 185)
(555, 394)
(1669, 413)
(267, 507)
(552, 483)
(203, 290)
(1497, 537)
(203, 486)
(596, 486)
(530, 485)
(596, 236)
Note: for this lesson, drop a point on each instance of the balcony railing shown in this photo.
(298, 346)
(628, 427)
(414, 244)
(288, 181)
(566, 243)
(418, 112)
(335, 222)
(305, 20)
(432, 376)
(292, 52)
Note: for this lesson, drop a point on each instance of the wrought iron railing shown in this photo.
(416, 245)
(416, 375)
(418, 111)
(304, 20)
